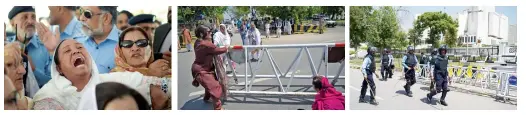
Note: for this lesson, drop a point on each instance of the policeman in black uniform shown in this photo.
(368, 69)
(387, 63)
(410, 62)
(431, 65)
(440, 76)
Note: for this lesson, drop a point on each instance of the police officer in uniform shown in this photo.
(440, 76)
(409, 61)
(387, 63)
(431, 65)
(146, 22)
(368, 68)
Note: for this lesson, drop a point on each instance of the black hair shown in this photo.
(200, 32)
(108, 91)
(127, 13)
(112, 10)
(316, 81)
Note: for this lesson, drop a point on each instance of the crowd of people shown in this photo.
(90, 58)
(211, 51)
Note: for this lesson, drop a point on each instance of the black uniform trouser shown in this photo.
(368, 81)
(409, 78)
(387, 72)
(441, 85)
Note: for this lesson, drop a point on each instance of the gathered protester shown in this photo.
(254, 38)
(134, 54)
(74, 70)
(203, 66)
(122, 19)
(327, 97)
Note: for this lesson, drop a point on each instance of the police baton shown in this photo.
(369, 85)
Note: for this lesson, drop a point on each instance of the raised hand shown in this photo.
(49, 40)
(159, 68)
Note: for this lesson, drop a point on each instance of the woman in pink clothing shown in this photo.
(327, 98)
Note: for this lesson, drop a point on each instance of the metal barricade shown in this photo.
(478, 79)
(239, 54)
(507, 88)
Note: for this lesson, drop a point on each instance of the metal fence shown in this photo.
(239, 55)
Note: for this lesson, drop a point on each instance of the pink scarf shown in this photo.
(328, 98)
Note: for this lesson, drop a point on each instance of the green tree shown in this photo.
(188, 14)
(333, 11)
(387, 26)
(401, 38)
(414, 36)
(360, 27)
(242, 11)
(439, 24)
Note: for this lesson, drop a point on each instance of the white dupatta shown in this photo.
(61, 91)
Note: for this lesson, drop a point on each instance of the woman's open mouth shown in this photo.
(79, 61)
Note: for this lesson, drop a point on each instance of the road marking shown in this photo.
(377, 97)
(240, 83)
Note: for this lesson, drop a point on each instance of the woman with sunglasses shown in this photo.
(135, 54)
(203, 67)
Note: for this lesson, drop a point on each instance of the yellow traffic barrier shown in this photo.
(470, 71)
(298, 29)
(310, 28)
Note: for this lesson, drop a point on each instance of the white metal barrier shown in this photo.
(239, 54)
(507, 84)
(502, 82)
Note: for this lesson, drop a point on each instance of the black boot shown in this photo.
(442, 98)
(362, 94)
(373, 94)
(429, 97)
(443, 102)
(373, 101)
(408, 91)
(362, 100)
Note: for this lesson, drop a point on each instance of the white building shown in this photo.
(482, 24)
(512, 35)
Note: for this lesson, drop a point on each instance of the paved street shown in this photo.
(391, 96)
(190, 98)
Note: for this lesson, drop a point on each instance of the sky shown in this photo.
(408, 16)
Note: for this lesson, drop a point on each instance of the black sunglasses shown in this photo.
(88, 13)
(128, 43)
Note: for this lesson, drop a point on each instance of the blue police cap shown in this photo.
(19, 9)
(142, 18)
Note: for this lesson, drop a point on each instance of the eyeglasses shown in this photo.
(128, 43)
(88, 14)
